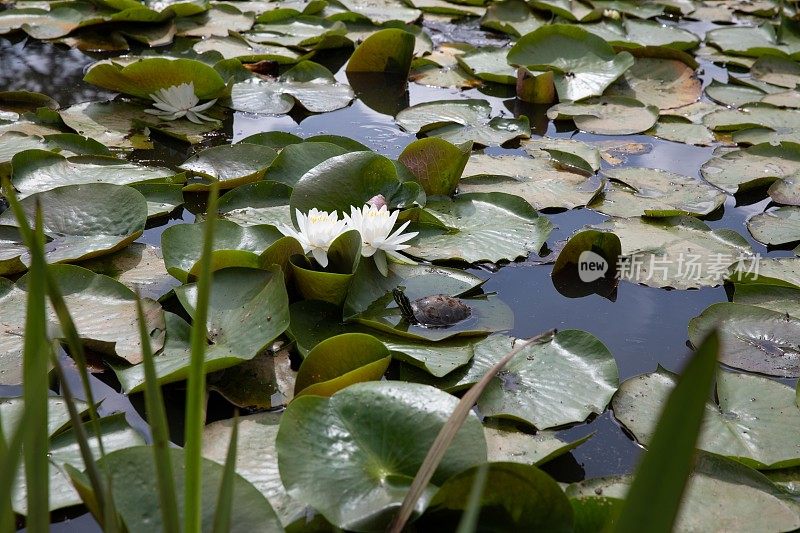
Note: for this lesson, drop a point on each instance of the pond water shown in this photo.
(642, 326)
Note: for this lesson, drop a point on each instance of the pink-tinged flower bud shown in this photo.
(378, 201)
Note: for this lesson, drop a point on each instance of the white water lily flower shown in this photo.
(177, 101)
(317, 231)
(375, 226)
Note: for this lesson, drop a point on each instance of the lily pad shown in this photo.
(147, 75)
(296, 159)
(372, 438)
(783, 271)
(761, 433)
(680, 252)
(775, 297)
(752, 338)
(722, 495)
(162, 198)
(39, 170)
(140, 267)
(584, 64)
(753, 41)
(247, 311)
(608, 115)
(481, 227)
(776, 227)
(85, 221)
(633, 33)
(236, 46)
(678, 130)
(571, 153)
(262, 202)
(389, 50)
(561, 381)
(256, 459)
(182, 243)
(664, 83)
(229, 164)
(753, 167)
(534, 179)
(757, 124)
(436, 164)
(136, 496)
(489, 64)
(264, 382)
(340, 361)
(513, 17)
(777, 71)
(657, 193)
(459, 121)
(531, 449)
(218, 20)
(521, 498)
(786, 190)
(103, 310)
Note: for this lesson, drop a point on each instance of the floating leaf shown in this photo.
(534, 179)
(296, 159)
(681, 131)
(264, 382)
(459, 121)
(511, 16)
(389, 50)
(657, 193)
(776, 227)
(570, 153)
(372, 438)
(633, 33)
(235, 46)
(436, 164)
(584, 64)
(753, 41)
(761, 433)
(679, 252)
(757, 124)
(752, 338)
(218, 20)
(546, 385)
(525, 448)
(481, 227)
(777, 71)
(262, 202)
(140, 267)
(753, 167)
(664, 83)
(489, 64)
(608, 115)
(230, 165)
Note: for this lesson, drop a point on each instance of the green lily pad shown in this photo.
(436, 164)
(115, 434)
(664, 83)
(592, 244)
(778, 298)
(634, 33)
(753, 41)
(85, 221)
(722, 495)
(777, 71)
(236, 46)
(519, 447)
(331, 284)
(218, 20)
(247, 312)
(340, 361)
(296, 159)
(162, 198)
(534, 179)
(584, 64)
(783, 271)
(786, 190)
(315, 321)
(459, 121)
(229, 164)
(733, 95)
(103, 310)
(308, 83)
(776, 227)
(752, 338)
(481, 227)
(513, 17)
(325, 444)
(561, 381)
(262, 202)
(264, 382)
(256, 459)
(182, 243)
(350, 180)
(136, 497)
(389, 50)
(39, 170)
(140, 267)
(753, 167)
(147, 75)
(489, 63)
(657, 193)
(680, 252)
(678, 130)
(757, 124)
(303, 31)
(761, 433)
(570, 153)
(569, 10)
(608, 115)
(521, 498)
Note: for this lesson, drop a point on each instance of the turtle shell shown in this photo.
(440, 310)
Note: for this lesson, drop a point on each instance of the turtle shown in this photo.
(434, 311)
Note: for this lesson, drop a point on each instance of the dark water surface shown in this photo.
(643, 327)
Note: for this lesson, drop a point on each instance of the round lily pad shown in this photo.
(608, 115)
(776, 227)
(762, 433)
(752, 338)
(752, 167)
(258, 203)
(229, 164)
(664, 83)
(371, 438)
(389, 50)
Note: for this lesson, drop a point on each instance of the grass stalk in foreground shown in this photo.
(196, 382)
(654, 497)
(222, 516)
(157, 418)
(448, 432)
(10, 451)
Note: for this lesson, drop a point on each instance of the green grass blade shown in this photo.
(469, 520)
(655, 495)
(10, 451)
(196, 382)
(222, 516)
(448, 433)
(35, 391)
(157, 418)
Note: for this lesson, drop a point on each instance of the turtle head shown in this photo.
(404, 304)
